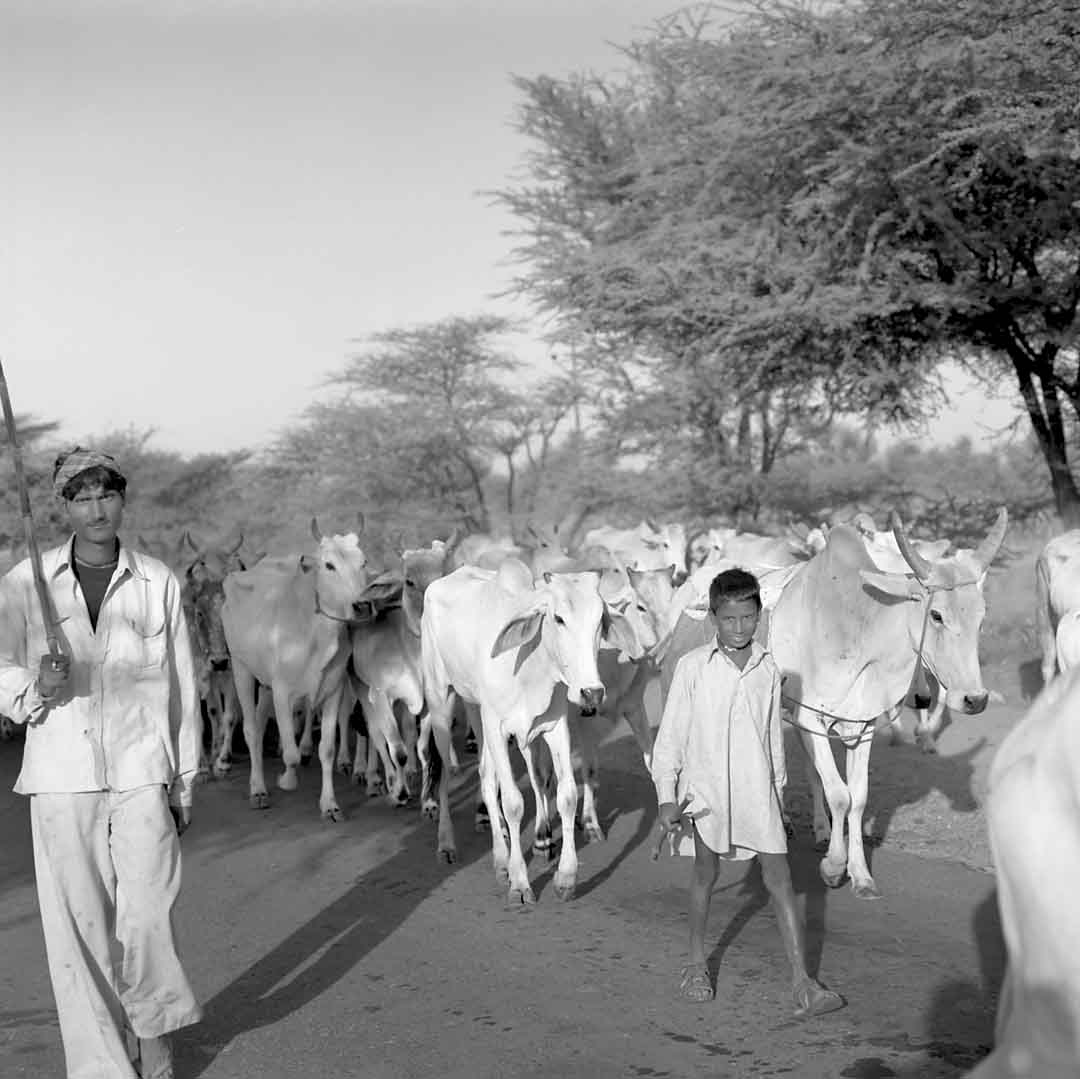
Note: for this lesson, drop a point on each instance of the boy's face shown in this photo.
(95, 514)
(736, 620)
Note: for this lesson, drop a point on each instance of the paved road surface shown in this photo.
(346, 952)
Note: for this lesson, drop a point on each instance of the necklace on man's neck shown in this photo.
(99, 565)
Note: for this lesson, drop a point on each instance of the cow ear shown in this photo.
(517, 632)
(618, 633)
(892, 584)
(307, 563)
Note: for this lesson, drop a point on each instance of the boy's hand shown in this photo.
(669, 817)
(53, 674)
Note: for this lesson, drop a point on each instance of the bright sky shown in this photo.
(206, 203)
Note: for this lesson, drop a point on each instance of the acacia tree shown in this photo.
(821, 204)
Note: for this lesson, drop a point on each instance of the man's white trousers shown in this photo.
(108, 875)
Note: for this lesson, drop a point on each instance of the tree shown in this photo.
(801, 213)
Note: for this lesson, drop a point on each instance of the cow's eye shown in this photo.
(559, 620)
(935, 616)
(409, 582)
(330, 566)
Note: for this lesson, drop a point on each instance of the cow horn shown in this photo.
(988, 549)
(921, 568)
(652, 524)
(455, 537)
(359, 522)
(237, 545)
(315, 530)
(189, 540)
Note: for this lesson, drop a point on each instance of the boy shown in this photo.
(720, 751)
(112, 747)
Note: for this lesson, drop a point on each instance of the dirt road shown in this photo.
(347, 952)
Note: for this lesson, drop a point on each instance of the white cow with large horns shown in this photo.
(847, 637)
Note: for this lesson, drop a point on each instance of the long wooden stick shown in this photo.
(52, 634)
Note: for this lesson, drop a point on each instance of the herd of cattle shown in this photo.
(549, 644)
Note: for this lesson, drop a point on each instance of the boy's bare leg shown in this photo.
(811, 997)
(696, 984)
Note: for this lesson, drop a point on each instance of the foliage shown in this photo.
(802, 213)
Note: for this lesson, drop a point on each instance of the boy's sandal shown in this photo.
(813, 999)
(696, 985)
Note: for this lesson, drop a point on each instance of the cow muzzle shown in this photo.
(591, 699)
(974, 703)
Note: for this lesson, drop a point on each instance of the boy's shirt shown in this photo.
(720, 740)
(130, 714)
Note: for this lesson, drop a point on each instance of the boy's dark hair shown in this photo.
(734, 585)
(108, 478)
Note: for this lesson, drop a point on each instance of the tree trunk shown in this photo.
(1044, 409)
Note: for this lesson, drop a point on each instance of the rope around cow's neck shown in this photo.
(866, 731)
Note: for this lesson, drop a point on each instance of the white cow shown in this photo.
(1057, 594)
(643, 597)
(1033, 814)
(386, 665)
(649, 546)
(847, 637)
(520, 650)
(287, 624)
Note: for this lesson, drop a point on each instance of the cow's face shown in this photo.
(420, 567)
(954, 615)
(621, 598)
(207, 628)
(208, 562)
(341, 577)
(573, 616)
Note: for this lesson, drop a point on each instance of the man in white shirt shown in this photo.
(112, 747)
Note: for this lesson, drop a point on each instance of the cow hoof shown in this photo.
(564, 891)
(594, 833)
(222, 769)
(520, 897)
(375, 788)
(287, 781)
(333, 814)
(927, 745)
(357, 779)
(482, 825)
(446, 856)
(430, 810)
(789, 829)
(832, 877)
(260, 800)
(542, 845)
(865, 890)
(470, 743)
(202, 776)
(344, 768)
(305, 758)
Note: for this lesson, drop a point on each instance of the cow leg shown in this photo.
(587, 735)
(286, 727)
(539, 780)
(558, 740)
(826, 786)
(896, 724)
(501, 793)
(633, 707)
(328, 714)
(307, 738)
(382, 727)
(344, 762)
(858, 785)
(226, 692)
(254, 729)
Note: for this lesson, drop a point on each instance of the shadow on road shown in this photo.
(317, 954)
